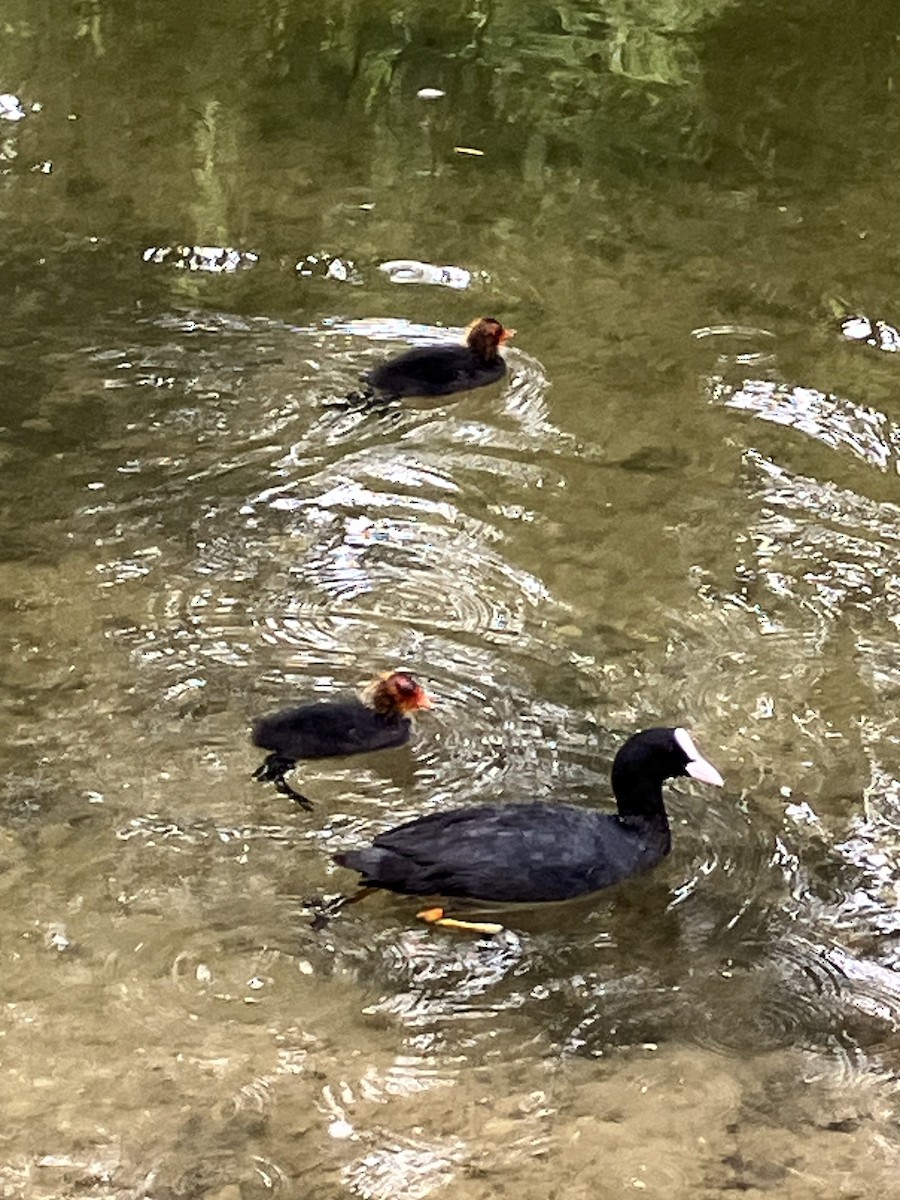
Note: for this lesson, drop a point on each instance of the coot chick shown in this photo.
(527, 853)
(377, 720)
(442, 370)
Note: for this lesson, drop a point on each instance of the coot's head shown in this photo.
(398, 693)
(652, 756)
(485, 335)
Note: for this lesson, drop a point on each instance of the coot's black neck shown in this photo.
(641, 809)
(638, 795)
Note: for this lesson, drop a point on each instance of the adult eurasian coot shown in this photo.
(526, 853)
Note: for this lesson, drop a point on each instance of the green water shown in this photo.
(681, 507)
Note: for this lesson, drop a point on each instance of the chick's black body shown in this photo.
(329, 729)
(436, 371)
(538, 851)
(442, 370)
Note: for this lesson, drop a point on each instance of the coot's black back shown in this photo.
(515, 852)
(329, 730)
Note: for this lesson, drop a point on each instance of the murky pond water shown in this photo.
(681, 506)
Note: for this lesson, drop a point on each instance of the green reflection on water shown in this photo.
(627, 533)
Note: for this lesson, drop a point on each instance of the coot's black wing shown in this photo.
(516, 852)
(329, 730)
(434, 371)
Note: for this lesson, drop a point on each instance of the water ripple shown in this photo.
(738, 344)
(436, 980)
(824, 548)
(413, 1167)
(835, 421)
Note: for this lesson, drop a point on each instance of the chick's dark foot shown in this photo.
(273, 770)
(286, 790)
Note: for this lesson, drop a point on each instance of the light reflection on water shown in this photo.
(637, 526)
(240, 544)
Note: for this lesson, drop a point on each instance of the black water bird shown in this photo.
(376, 720)
(442, 369)
(535, 852)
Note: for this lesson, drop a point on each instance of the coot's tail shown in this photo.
(352, 859)
(379, 868)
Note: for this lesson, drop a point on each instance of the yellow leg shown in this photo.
(435, 916)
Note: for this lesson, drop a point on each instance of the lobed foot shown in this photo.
(435, 916)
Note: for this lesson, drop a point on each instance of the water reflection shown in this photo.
(195, 532)
(832, 420)
(244, 553)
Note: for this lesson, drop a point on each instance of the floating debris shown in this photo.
(216, 259)
(410, 270)
(11, 108)
(328, 266)
(873, 333)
